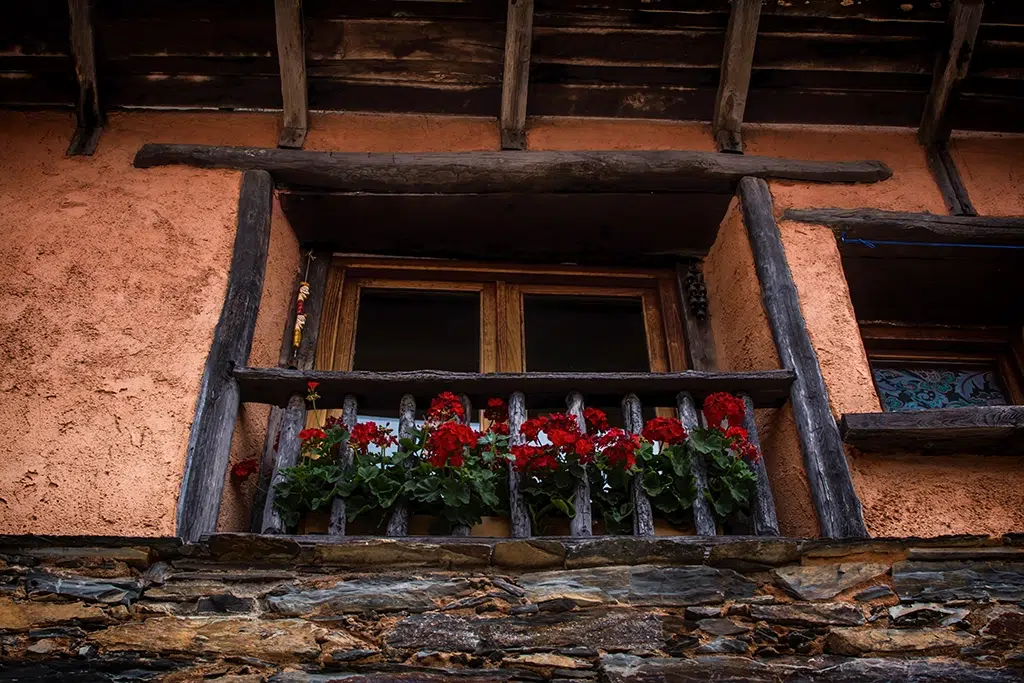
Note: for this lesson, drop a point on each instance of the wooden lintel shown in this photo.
(291, 54)
(874, 224)
(734, 81)
(950, 69)
(947, 177)
(828, 474)
(209, 444)
(516, 80)
(986, 430)
(89, 116)
(492, 172)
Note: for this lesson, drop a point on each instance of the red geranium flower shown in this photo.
(312, 433)
(723, 410)
(366, 433)
(738, 433)
(531, 429)
(584, 448)
(244, 469)
(619, 448)
(311, 386)
(596, 420)
(500, 428)
(446, 444)
(446, 406)
(667, 430)
(496, 411)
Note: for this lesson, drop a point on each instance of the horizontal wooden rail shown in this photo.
(383, 390)
(488, 172)
(987, 430)
(874, 224)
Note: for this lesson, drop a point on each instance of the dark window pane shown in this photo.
(903, 388)
(584, 334)
(414, 330)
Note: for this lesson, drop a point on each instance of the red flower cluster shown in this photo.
(533, 458)
(311, 394)
(668, 430)
(447, 443)
(444, 407)
(366, 433)
(723, 410)
(312, 434)
(244, 469)
(496, 411)
(565, 437)
(596, 420)
(619, 447)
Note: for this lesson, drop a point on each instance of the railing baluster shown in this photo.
(467, 417)
(398, 525)
(643, 516)
(520, 515)
(582, 523)
(349, 416)
(288, 450)
(703, 520)
(765, 521)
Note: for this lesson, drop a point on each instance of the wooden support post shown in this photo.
(516, 80)
(582, 523)
(349, 416)
(520, 515)
(734, 82)
(950, 69)
(209, 446)
(693, 299)
(703, 519)
(398, 524)
(291, 55)
(288, 451)
(765, 521)
(828, 474)
(467, 417)
(643, 516)
(88, 114)
(950, 183)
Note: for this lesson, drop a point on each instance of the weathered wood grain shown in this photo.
(488, 172)
(988, 430)
(88, 115)
(518, 511)
(950, 69)
(947, 177)
(874, 224)
(209, 446)
(643, 516)
(703, 519)
(828, 474)
(734, 79)
(700, 345)
(582, 523)
(291, 53)
(289, 449)
(339, 519)
(766, 523)
(398, 523)
(515, 85)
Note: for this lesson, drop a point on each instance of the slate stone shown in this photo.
(1004, 622)
(946, 581)
(400, 552)
(763, 552)
(722, 627)
(935, 641)
(612, 550)
(529, 554)
(28, 615)
(723, 646)
(225, 603)
(622, 668)
(873, 593)
(439, 631)
(400, 673)
(252, 547)
(700, 612)
(366, 594)
(821, 582)
(106, 591)
(809, 614)
(925, 614)
(613, 629)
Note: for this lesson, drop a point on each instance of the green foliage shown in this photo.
(668, 481)
(549, 495)
(611, 499)
(374, 482)
(309, 486)
(732, 484)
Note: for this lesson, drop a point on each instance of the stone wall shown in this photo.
(247, 608)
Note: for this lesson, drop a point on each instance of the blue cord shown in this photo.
(872, 244)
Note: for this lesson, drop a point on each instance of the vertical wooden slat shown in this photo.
(291, 54)
(643, 516)
(518, 39)
(349, 416)
(828, 473)
(693, 296)
(398, 524)
(765, 521)
(209, 446)
(951, 67)
(288, 450)
(951, 184)
(88, 114)
(703, 519)
(582, 524)
(520, 515)
(467, 417)
(734, 81)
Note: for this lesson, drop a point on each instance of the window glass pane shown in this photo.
(904, 388)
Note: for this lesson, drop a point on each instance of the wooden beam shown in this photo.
(209, 446)
(516, 80)
(828, 474)
(377, 390)
(88, 114)
(950, 69)
(519, 512)
(766, 522)
(703, 519)
(951, 184)
(582, 523)
(504, 172)
(899, 226)
(734, 81)
(693, 300)
(643, 515)
(988, 430)
(291, 55)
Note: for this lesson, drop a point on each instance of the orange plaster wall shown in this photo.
(992, 172)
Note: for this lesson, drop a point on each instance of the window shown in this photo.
(925, 368)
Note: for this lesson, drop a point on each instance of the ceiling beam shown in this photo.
(87, 109)
(734, 82)
(950, 69)
(875, 224)
(516, 81)
(291, 54)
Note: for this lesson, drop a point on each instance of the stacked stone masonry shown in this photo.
(242, 609)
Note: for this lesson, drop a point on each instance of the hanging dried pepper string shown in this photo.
(300, 313)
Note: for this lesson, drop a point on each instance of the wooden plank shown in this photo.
(828, 474)
(643, 516)
(875, 224)
(291, 53)
(519, 514)
(951, 184)
(693, 295)
(582, 523)
(288, 452)
(988, 430)
(546, 390)
(518, 39)
(88, 114)
(766, 522)
(209, 446)
(339, 519)
(398, 523)
(703, 519)
(950, 69)
(734, 81)
(503, 172)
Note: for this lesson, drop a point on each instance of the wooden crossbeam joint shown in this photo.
(951, 67)
(947, 177)
(734, 81)
(291, 54)
(515, 83)
(88, 114)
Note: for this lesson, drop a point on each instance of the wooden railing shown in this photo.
(374, 391)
